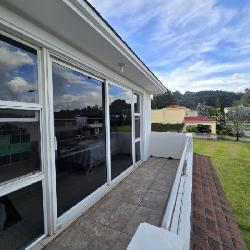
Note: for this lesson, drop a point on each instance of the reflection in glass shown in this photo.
(137, 151)
(79, 127)
(21, 217)
(136, 103)
(18, 71)
(121, 129)
(137, 127)
(19, 143)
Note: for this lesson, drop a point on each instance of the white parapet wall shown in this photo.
(176, 225)
(167, 144)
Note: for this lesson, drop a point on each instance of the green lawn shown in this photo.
(232, 163)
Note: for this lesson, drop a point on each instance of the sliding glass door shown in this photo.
(79, 122)
(120, 100)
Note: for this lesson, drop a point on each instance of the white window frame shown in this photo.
(138, 115)
(24, 181)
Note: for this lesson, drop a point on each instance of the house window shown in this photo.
(19, 143)
(18, 72)
(137, 105)
(79, 119)
(21, 196)
(21, 217)
(137, 125)
(137, 151)
(121, 129)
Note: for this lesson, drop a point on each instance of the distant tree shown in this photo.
(235, 120)
(203, 110)
(209, 97)
(163, 100)
(212, 111)
(221, 104)
(221, 127)
(245, 99)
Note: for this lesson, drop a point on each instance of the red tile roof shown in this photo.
(174, 106)
(196, 119)
(212, 222)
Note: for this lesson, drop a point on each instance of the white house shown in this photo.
(60, 60)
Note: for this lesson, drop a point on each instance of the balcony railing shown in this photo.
(176, 218)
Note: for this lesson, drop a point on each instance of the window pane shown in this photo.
(19, 143)
(79, 127)
(21, 217)
(137, 127)
(121, 129)
(18, 72)
(136, 103)
(137, 151)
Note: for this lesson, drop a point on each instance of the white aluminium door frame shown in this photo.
(88, 201)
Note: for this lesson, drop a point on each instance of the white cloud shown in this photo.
(71, 102)
(12, 59)
(18, 85)
(202, 75)
(192, 44)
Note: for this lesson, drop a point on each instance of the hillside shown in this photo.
(191, 99)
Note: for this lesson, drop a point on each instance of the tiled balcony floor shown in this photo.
(111, 222)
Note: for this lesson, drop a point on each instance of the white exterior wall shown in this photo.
(146, 125)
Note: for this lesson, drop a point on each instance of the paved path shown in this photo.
(111, 223)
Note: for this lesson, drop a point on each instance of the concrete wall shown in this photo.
(193, 113)
(167, 144)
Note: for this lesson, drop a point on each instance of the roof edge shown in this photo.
(108, 32)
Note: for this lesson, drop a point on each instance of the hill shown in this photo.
(191, 99)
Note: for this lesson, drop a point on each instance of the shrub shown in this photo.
(192, 129)
(168, 127)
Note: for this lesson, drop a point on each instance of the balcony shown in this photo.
(154, 193)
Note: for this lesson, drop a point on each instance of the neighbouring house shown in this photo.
(79, 165)
(178, 114)
(202, 122)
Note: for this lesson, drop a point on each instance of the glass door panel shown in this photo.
(79, 120)
(121, 129)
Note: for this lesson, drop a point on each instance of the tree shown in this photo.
(163, 100)
(220, 123)
(203, 110)
(235, 120)
(245, 100)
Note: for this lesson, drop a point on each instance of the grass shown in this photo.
(232, 162)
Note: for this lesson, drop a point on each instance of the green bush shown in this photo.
(192, 129)
(168, 127)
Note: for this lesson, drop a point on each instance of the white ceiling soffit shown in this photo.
(78, 24)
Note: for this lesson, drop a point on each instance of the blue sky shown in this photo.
(190, 45)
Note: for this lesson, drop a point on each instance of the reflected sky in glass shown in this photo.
(18, 72)
(74, 90)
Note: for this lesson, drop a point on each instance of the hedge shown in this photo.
(168, 127)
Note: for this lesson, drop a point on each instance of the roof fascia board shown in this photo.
(80, 7)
